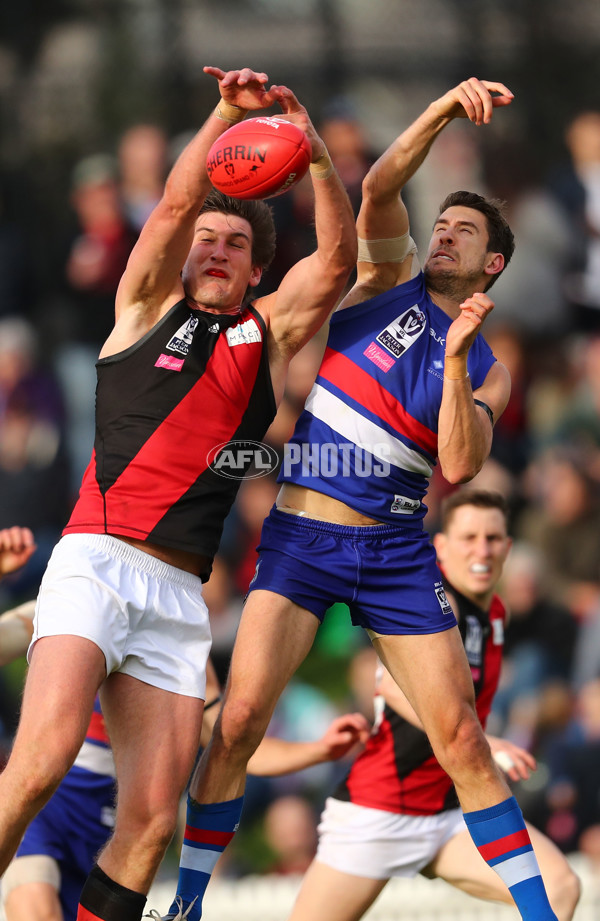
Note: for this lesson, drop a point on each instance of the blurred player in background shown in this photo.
(44, 880)
(186, 368)
(397, 813)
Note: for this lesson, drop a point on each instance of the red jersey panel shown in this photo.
(195, 382)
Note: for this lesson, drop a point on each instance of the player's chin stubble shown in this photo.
(448, 284)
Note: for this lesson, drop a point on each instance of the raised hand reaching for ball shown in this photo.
(244, 88)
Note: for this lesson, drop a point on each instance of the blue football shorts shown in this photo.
(387, 575)
(72, 828)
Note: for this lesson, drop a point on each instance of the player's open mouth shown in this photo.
(442, 254)
(216, 273)
(480, 568)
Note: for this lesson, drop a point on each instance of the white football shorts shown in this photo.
(378, 844)
(148, 618)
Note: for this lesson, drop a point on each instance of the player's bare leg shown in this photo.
(433, 672)
(329, 893)
(155, 735)
(62, 681)
(33, 901)
(273, 638)
(459, 863)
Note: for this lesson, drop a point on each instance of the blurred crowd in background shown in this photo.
(55, 314)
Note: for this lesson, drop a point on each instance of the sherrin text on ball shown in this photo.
(259, 158)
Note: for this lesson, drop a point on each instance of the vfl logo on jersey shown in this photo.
(441, 597)
(182, 339)
(403, 331)
(402, 505)
(244, 333)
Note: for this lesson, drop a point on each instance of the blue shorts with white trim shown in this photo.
(387, 575)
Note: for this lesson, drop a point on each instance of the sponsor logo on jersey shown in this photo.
(441, 597)
(436, 336)
(238, 459)
(169, 362)
(182, 339)
(215, 328)
(403, 331)
(437, 369)
(244, 333)
(379, 357)
(403, 505)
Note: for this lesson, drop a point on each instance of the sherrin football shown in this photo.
(259, 158)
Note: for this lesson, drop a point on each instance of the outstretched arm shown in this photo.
(383, 215)
(278, 756)
(151, 281)
(309, 291)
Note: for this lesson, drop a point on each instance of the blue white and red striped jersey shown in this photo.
(368, 432)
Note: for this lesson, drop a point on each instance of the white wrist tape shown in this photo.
(393, 249)
(504, 760)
